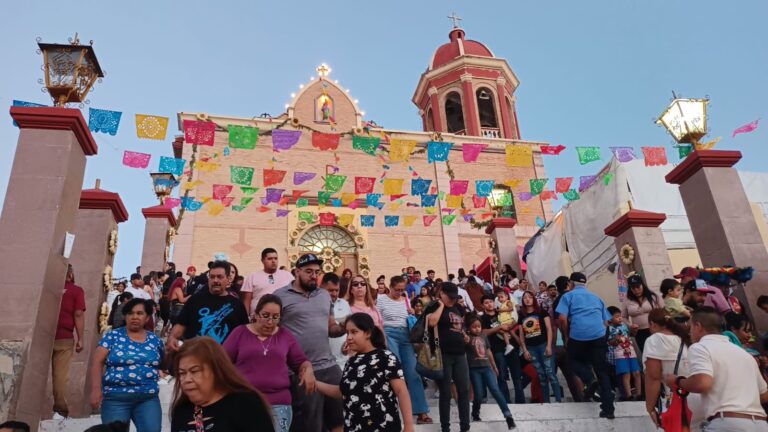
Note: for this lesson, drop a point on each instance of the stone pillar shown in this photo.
(437, 122)
(501, 102)
(469, 102)
(640, 229)
(40, 208)
(92, 258)
(158, 220)
(721, 219)
(502, 231)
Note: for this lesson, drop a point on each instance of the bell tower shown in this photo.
(467, 90)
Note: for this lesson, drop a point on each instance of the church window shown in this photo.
(320, 237)
(486, 108)
(429, 120)
(454, 115)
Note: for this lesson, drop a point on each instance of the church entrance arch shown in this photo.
(334, 244)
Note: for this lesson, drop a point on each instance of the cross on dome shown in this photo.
(323, 70)
(455, 18)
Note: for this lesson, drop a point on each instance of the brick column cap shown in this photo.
(633, 219)
(100, 199)
(500, 223)
(159, 211)
(699, 159)
(56, 118)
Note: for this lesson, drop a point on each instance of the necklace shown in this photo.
(265, 349)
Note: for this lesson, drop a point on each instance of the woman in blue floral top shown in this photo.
(124, 371)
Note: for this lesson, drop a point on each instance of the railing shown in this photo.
(484, 132)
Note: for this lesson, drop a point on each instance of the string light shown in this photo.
(301, 86)
(293, 95)
(356, 101)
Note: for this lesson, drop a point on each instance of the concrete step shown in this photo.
(561, 417)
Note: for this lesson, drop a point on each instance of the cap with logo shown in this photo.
(308, 259)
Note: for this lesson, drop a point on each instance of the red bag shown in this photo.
(677, 417)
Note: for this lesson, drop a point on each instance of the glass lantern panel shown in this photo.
(62, 62)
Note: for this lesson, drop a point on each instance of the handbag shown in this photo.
(677, 418)
(429, 358)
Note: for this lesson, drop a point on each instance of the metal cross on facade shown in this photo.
(455, 18)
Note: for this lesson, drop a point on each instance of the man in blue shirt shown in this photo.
(583, 317)
(413, 289)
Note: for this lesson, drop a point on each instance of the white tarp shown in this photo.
(651, 192)
(589, 248)
(585, 219)
(548, 253)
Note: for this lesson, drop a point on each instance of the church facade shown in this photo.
(465, 96)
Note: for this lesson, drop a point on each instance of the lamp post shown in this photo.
(70, 70)
(163, 184)
(501, 201)
(685, 120)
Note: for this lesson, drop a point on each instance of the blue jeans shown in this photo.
(516, 371)
(545, 367)
(398, 343)
(281, 417)
(501, 365)
(143, 409)
(481, 378)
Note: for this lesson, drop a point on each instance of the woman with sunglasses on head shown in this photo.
(263, 346)
(360, 300)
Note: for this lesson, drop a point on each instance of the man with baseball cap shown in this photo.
(307, 315)
(687, 274)
(583, 319)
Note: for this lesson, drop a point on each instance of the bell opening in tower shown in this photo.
(454, 114)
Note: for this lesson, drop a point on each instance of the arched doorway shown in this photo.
(335, 244)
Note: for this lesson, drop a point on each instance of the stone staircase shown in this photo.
(562, 417)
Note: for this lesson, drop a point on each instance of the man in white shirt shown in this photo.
(265, 281)
(341, 311)
(727, 377)
(137, 287)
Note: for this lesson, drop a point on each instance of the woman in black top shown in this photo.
(210, 395)
(448, 319)
(372, 384)
(538, 344)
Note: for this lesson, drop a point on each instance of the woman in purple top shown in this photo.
(263, 346)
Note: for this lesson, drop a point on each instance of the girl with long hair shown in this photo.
(372, 385)
(537, 344)
(668, 338)
(640, 302)
(210, 395)
(360, 300)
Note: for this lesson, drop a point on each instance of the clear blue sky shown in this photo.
(591, 72)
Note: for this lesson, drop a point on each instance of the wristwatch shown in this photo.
(677, 381)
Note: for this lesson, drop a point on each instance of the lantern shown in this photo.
(163, 184)
(70, 71)
(685, 120)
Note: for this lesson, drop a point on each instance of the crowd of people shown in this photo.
(304, 350)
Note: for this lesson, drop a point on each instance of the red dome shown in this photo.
(456, 47)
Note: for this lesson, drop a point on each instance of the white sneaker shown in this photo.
(57, 416)
(508, 349)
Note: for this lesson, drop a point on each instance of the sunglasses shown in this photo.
(358, 283)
